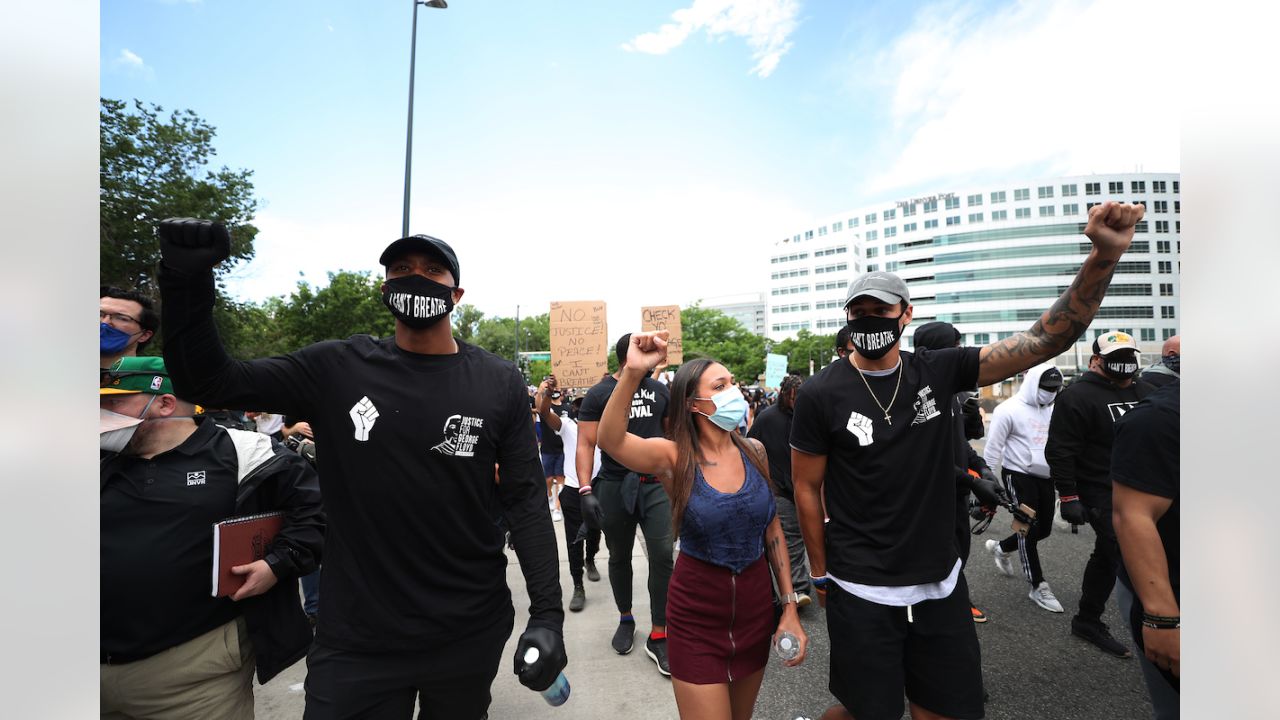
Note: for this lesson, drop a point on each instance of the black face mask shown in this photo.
(874, 336)
(1173, 362)
(1120, 367)
(416, 301)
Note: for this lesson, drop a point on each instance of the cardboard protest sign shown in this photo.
(775, 368)
(665, 317)
(579, 343)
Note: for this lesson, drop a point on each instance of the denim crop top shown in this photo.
(727, 529)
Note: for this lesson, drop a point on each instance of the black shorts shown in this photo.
(451, 681)
(876, 656)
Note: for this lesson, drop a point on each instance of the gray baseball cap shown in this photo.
(883, 286)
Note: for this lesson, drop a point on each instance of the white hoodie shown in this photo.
(1019, 430)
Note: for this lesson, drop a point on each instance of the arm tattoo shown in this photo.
(1064, 322)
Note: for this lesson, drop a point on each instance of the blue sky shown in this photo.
(639, 153)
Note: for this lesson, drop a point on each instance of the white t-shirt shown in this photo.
(269, 423)
(569, 433)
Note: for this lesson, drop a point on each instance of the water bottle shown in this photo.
(788, 646)
(558, 692)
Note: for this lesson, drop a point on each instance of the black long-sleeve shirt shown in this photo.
(413, 554)
(1080, 432)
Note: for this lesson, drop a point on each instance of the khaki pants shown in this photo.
(208, 677)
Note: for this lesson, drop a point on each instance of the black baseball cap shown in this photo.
(1051, 379)
(422, 243)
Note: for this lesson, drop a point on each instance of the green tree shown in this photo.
(351, 304)
(498, 335)
(154, 166)
(806, 346)
(466, 320)
(713, 334)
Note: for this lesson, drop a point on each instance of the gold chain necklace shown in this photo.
(898, 385)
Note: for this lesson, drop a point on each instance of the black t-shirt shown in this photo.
(890, 487)
(1146, 457)
(156, 544)
(772, 428)
(551, 442)
(648, 408)
(413, 553)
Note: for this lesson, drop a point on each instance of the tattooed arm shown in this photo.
(1110, 229)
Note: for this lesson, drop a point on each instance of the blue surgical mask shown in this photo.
(731, 407)
(111, 340)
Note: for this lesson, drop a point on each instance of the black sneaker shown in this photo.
(1095, 631)
(624, 637)
(657, 652)
(592, 573)
(579, 598)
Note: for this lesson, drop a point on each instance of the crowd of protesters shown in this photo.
(852, 490)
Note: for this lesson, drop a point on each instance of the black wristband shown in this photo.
(1161, 622)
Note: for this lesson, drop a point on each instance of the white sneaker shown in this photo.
(1004, 562)
(556, 515)
(1043, 596)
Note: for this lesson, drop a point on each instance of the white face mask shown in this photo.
(115, 430)
(1045, 397)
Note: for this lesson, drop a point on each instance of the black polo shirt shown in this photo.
(157, 547)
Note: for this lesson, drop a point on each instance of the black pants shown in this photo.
(571, 508)
(450, 682)
(1037, 494)
(1100, 571)
(620, 536)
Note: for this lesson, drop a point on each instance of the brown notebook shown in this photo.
(240, 541)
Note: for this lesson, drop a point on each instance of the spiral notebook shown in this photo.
(240, 541)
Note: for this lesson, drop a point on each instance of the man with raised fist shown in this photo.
(415, 606)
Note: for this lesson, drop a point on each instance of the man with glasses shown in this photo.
(126, 324)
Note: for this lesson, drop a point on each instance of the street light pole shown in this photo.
(408, 142)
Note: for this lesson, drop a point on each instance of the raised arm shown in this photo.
(547, 417)
(1110, 229)
(652, 456)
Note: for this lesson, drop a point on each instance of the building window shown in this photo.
(1021, 213)
(1160, 206)
(1089, 206)
(873, 252)
(837, 226)
(1162, 226)
(982, 338)
(822, 231)
(796, 238)
(953, 203)
(908, 210)
(1175, 188)
(909, 227)
(890, 214)
(1023, 194)
(998, 215)
(1159, 186)
(1162, 246)
(929, 224)
(853, 222)
(1069, 190)
(1138, 186)
(1147, 334)
(873, 267)
(808, 234)
(1071, 209)
(1177, 227)
(1166, 312)
(891, 232)
(975, 200)
(953, 220)
(873, 234)
(870, 218)
(1140, 227)
(997, 197)
(1093, 188)
(1177, 206)
(1045, 191)
(1166, 267)
(930, 206)
(975, 218)
(1169, 332)
(1166, 289)
(1115, 187)
(1046, 211)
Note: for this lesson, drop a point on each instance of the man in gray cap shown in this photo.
(878, 426)
(415, 605)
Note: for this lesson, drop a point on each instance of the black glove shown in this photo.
(1074, 512)
(592, 513)
(193, 246)
(988, 490)
(539, 674)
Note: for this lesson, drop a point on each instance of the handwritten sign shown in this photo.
(775, 368)
(665, 317)
(579, 343)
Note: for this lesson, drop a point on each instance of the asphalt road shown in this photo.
(1033, 667)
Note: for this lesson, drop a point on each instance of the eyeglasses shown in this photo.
(118, 318)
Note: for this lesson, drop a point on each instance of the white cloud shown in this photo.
(766, 25)
(1065, 87)
(130, 59)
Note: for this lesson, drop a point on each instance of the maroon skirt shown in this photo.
(719, 625)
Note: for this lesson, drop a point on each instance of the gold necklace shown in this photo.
(898, 385)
